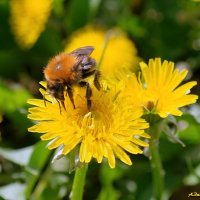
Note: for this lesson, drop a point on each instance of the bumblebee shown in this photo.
(68, 69)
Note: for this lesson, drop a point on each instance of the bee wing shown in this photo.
(83, 51)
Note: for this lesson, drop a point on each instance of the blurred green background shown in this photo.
(169, 29)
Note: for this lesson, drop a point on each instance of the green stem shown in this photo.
(156, 165)
(79, 182)
(108, 36)
(103, 52)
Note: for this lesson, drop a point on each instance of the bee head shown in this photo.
(56, 90)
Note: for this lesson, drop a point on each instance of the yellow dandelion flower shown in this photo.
(162, 94)
(130, 84)
(111, 129)
(28, 19)
(120, 52)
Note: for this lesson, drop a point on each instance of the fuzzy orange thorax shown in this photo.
(60, 68)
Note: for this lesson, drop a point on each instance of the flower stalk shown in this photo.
(79, 182)
(156, 164)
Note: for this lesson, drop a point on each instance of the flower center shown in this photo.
(97, 122)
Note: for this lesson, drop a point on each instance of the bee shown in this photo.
(68, 69)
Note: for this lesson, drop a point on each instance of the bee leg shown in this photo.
(44, 101)
(96, 79)
(70, 94)
(63, 104)
(88, 93)
(59, 105)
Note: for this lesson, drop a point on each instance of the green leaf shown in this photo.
(18, 156)
(39, 155)
(38, 162)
